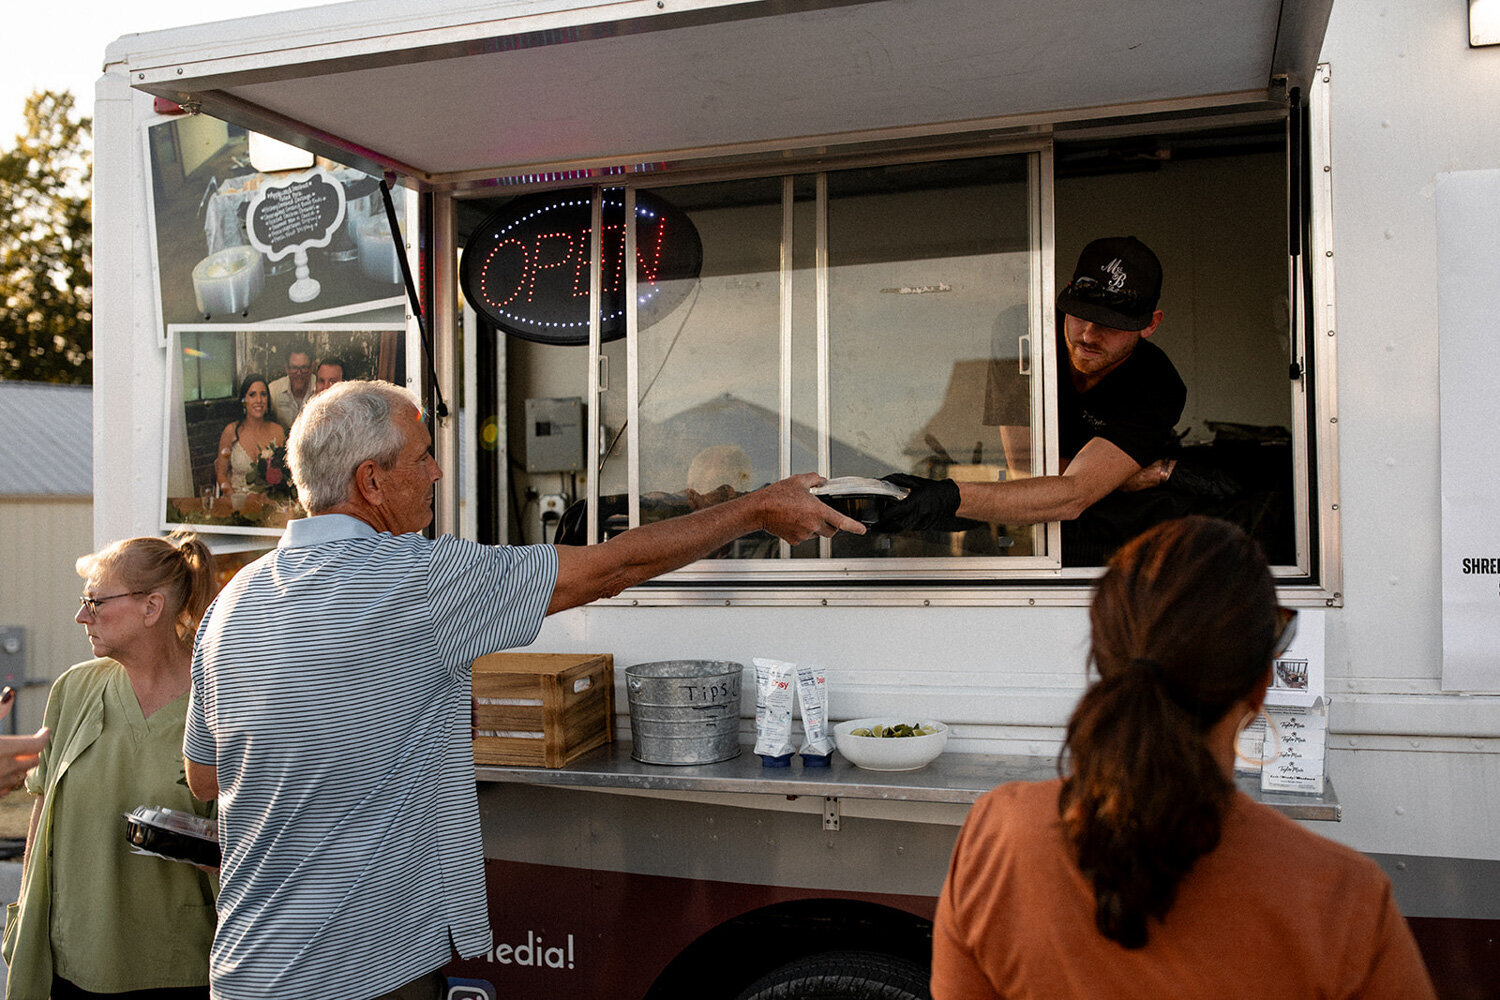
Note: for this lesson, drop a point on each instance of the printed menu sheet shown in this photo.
(1298, 746)
(1289, 754)
(1297, 675)
(1468, 273)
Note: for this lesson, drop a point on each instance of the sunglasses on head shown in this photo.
(1286, 631)
(1094, 290)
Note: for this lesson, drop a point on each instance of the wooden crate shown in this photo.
(542, 709)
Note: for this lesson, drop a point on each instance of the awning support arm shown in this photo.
(441, 410)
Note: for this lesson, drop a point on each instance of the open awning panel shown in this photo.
(448, 94)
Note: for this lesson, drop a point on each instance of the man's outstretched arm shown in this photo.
(588, 572)
(1098, 469)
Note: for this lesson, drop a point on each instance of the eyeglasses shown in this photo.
(1286, 631)
(91, 604)
(1094, 290)
(298, 369)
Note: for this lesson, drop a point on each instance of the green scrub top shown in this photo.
(91, 909)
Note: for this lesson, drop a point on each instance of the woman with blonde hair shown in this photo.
(94, 917)
(1143, 872)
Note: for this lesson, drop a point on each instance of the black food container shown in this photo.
(865, 500)
(173, 834)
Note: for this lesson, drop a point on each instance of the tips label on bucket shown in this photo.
(684, 711)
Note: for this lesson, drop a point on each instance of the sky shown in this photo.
(60, 45)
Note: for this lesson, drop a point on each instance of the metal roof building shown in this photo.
(46, 523)
(46, 439)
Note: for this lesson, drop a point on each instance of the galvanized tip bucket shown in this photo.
(684, 711)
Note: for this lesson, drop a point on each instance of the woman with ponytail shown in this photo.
(1142, 872)
(95, 918)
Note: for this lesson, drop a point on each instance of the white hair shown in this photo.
(720, 465)
(344, 426)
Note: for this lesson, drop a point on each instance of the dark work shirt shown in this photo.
(1136, 407)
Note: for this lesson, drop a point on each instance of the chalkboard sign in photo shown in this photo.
(203, 179)
(293, 216)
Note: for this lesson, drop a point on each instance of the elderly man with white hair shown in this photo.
(330, 703)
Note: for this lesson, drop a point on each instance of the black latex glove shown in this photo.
(932, 504)
(1201, 479)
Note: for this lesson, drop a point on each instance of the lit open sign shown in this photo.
(526, 268)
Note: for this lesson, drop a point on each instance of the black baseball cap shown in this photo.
(1117, 283)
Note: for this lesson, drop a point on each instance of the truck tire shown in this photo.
(842, 975)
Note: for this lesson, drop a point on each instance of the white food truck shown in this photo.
(849, 223)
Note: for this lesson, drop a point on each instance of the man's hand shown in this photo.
(1151, 476)
(18, 754)
(931, 503)
(588, 572)
(795, 515)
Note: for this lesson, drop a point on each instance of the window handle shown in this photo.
(603, 373)
(1023, 353)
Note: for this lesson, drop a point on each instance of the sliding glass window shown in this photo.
(854, 323)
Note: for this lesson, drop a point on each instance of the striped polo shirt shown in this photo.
(331, 684)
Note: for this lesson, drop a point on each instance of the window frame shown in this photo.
(1038, 154)
(1037, 581)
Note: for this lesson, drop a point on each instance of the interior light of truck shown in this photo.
(1484, 22)
(269, 156)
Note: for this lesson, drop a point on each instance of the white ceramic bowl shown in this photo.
(889, 753)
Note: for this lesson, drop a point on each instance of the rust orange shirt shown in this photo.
(1274, 911)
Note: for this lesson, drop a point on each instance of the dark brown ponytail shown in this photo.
(1182, 626)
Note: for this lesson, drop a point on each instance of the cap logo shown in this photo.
(1116, 271)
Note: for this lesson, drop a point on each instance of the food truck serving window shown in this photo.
(887, 315)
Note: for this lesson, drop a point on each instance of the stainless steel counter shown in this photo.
(953, 777)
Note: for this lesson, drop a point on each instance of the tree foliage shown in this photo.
(46, 246)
